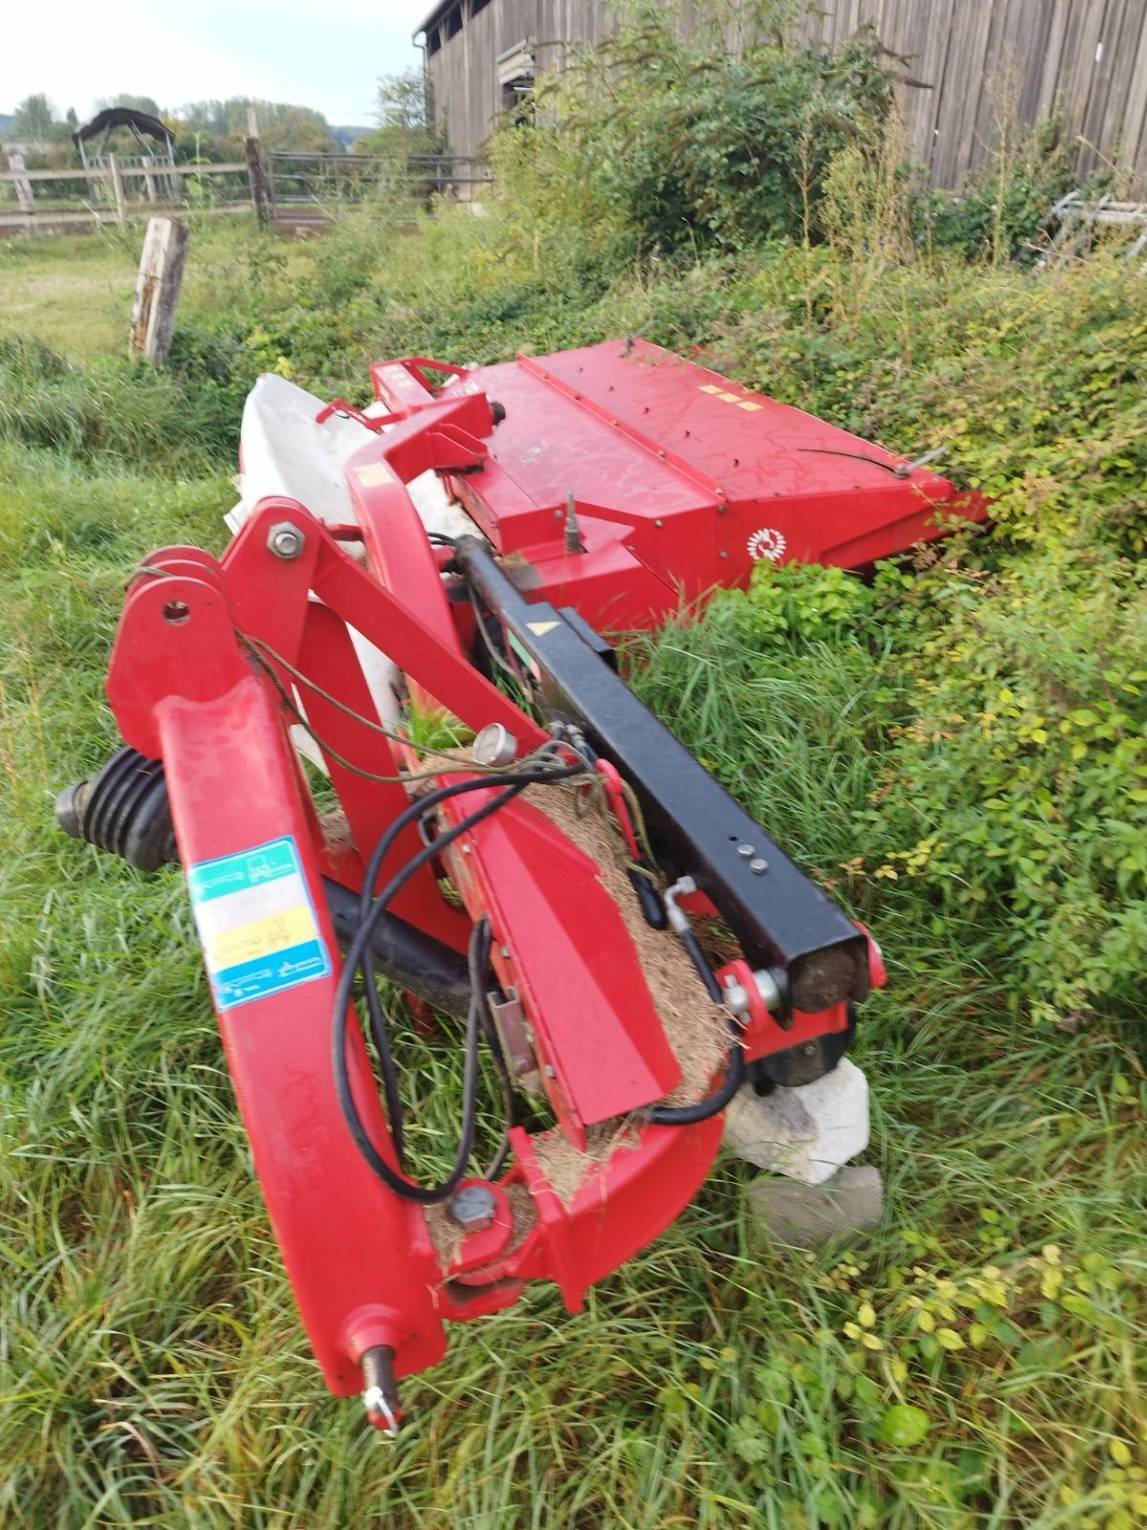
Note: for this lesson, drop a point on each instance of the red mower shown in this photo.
(629, 945)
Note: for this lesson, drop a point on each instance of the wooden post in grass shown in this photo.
(258, 171)
(16, 164)
(117, 190)
(157, 289)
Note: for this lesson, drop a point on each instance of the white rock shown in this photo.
(804, 1133)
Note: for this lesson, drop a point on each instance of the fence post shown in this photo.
(24, 194)
(157, 289)
(117, 190)
(258, 171)
(149, 182)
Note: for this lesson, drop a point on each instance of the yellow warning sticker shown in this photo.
(726, 397)
(539, 629)
(256, 923)
(373, 474)
(262, 937)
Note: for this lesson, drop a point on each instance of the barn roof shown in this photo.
(435, 14)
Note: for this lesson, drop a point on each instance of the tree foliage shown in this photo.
(34, 120)
(281, 125)
(405, 117)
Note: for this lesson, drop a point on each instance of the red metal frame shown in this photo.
(657, 522)
(183, 689)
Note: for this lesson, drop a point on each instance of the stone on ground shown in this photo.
(804, 1215)
(804, 1133)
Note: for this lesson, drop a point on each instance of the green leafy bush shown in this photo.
(1003, 208)
(721, 138)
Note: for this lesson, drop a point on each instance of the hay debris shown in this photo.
(694, 1026)
(447, 1237)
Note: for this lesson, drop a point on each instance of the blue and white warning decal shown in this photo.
(256, 923)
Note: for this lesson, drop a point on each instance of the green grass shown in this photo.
(152, 1369)
(74, 294)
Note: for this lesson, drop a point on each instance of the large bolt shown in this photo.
(285, 540)
(473, 1207)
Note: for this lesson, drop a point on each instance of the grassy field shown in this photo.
(976, 1362)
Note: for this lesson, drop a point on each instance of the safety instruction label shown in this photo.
(256, 923)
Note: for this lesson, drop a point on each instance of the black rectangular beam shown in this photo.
(781, 918)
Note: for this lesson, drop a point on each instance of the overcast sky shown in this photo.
(326, 55)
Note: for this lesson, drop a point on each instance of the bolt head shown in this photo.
(759, 866)
(744, 851)
(285, 540)
(473, 1207)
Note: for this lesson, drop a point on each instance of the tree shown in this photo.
(281, 126)
(33, 119)
(405, 119)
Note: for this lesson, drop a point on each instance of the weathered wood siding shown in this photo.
(1086, 58)
(464, 71)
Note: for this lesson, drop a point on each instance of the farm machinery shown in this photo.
(555, 881)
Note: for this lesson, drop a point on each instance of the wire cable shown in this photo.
(512, 783)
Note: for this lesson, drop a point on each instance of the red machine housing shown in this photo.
(619, 480)
(681, 480)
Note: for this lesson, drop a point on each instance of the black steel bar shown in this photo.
(779, 915)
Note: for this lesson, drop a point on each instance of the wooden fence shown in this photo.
(292, 188)
(983, 61)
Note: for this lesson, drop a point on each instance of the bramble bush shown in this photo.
(655, 141)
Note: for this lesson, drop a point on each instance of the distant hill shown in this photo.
(347, 135)
(6, 121)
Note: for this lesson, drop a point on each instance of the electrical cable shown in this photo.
(500, 659)
(513, 783)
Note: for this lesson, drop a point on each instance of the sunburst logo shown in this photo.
(769, 543)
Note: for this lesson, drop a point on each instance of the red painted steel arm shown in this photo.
(364, 1270)
(183, 690)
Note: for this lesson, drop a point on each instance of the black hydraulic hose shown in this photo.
(513, 783)
(690, 1115)
(376, 1018)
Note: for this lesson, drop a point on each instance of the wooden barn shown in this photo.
(481, 55)
(1085, 58)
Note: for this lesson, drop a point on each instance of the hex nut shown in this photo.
(473, 1207)
(285, 540)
